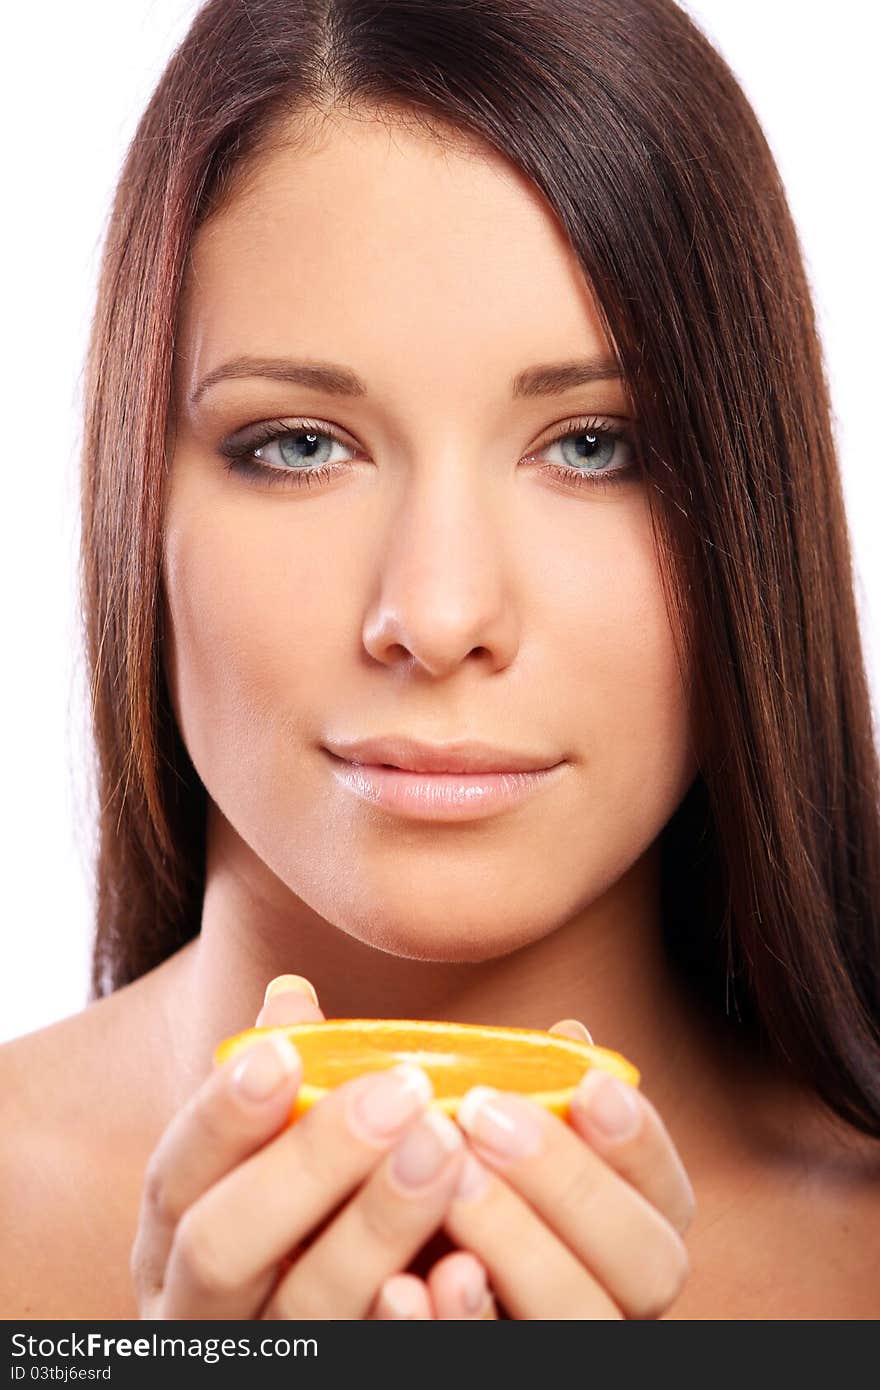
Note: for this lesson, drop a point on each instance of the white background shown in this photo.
(77, 77)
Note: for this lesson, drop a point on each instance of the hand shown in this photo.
(245, 1216)
(563, 1229)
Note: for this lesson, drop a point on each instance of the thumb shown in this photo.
(572, 1028)
(289, 999)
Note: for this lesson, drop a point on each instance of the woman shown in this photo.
(455, 405)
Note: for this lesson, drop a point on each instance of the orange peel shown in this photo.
(545, 1067)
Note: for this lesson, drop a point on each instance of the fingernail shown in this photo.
(580, 1028)
(266, 1067)
(473, 1290)
(401, 1298)
(608, 1103)
(289, 984)
(387, 1099)
(506, 1124)
(472, 1179)
(425, 1149)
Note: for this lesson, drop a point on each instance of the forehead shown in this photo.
(374, 241)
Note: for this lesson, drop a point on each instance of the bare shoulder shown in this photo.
(38, 1067)
(795, 1239)
(68, 1166)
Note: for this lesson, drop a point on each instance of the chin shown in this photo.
(443, 940)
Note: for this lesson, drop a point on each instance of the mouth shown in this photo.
(465, 757)
(440, 795)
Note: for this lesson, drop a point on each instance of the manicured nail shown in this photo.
(608, 1103)
(425, 1149)
(472, 1179)
(473, 1290)
(506, 1124)
(401, 1298)
(289, 984)
(575, 1025)
(386, 1100)
(266, 1067)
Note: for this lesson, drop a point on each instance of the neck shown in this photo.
(605, 966)
(729, 1119)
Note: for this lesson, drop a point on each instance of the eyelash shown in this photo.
(238, 451)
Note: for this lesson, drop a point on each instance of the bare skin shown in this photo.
(784, 1227)
(442, 584)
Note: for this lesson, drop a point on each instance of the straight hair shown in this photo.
(642, 143)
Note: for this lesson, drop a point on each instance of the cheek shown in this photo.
(626, 698)
(250, 637)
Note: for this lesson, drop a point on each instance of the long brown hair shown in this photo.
(646, 150)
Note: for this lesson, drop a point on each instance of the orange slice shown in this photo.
(456, 1056)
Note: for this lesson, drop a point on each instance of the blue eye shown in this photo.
(302, 447)
(591, 453)
(591, 450)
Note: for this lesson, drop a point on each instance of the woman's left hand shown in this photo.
(564, 1228)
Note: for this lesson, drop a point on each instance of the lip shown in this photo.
(461, 756)
(440, 796)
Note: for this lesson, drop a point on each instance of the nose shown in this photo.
(443, 587)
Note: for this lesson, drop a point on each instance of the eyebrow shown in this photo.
(551, 379)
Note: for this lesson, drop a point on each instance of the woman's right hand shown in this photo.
(244, 1216)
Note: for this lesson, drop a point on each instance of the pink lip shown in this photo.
(458, 755)
(439, 796)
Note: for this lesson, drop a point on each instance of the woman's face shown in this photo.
(469, 568)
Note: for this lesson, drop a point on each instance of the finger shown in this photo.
(631, 1249)
(228, 1245)
(241, 1105)
(402, 1296)
(531, 1269)
(459, 1288)
(572, 1028)
(380, 1230)
(289, 999)
(612, 1229)
(624, 1128)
